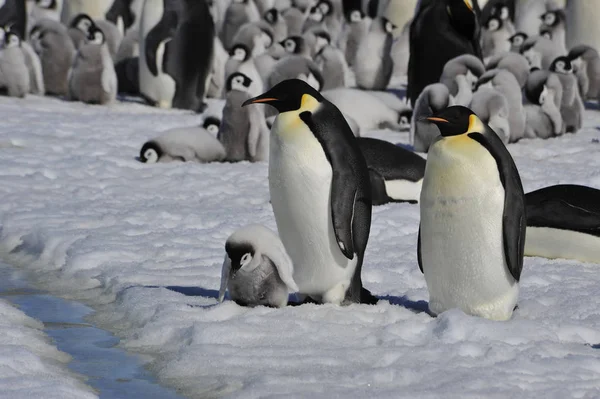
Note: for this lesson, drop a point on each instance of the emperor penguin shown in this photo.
(358, 27)
(44, 9)
(55, 49)
(396, 173)
(13, 13)
(332, 18)
(563, 221)
(373, 65)
(79, 29)
(571, 107)
(460, 75)
(113, 36)
(434, 98)
(528, 12)
(122, 14)
(34, 65)
(586, 62)
(512, 62)
(473, 223)
(14, 75)
(457, 32)
(241, 60)
(296, 67)
(544, 93)
(212, 124)
(495, 37)
(333, 66)
(92, 78)
(243, 131)
(257, 270)
(517, 40)
(492, 108)
(401, 51)
(294, 19)
(540, 52)
(315, 159)
(238, 13)
(186, 144)
(274, 18)
(554, 22)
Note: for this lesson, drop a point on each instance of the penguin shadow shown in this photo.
(592, 105)
(597, 346)
(405, 302)
(400, 93)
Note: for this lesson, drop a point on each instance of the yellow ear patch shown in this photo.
(308, 103)
(475, 125)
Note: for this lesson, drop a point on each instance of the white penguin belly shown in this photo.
(462, 247)
(300, 186)
(562, 244)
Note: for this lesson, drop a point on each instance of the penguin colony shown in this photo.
(301, 81)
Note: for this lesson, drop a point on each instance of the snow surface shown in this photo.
(88, 221)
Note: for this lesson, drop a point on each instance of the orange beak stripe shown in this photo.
(434, 119)
(264, 100)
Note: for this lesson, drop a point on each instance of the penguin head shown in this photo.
(46, 4)
(289, 95)
(11, 39)
(462, 16)
(241, 254)
(323, 39)
(562, 65)
(238, 81)
(404, 118)
(212, 124)
(239, 52)
(546, 32)
(272, 16)
(150, 152)
(551, 18)
(95, 35)
(82, 22)
(326, 7)
(502, 12)
(354, 16)
(456, 120)
(293, 44)
(387, 26)
(493, 24)
(316, 14)
(518, 39)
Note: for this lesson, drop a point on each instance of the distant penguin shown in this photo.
(528, 12)
(505, 9)
(274, 18)
(396, 173)
(460, 75)
(473, 222)
(14, 75)
(433, 99)
(540, 52)
(44, 9)
(296, 67)
(554, 22)
(544, 92)
(506, 83)
(495, 37)
(34, 65)
(297, 45)
(571, 107)
(563, 221)
(586, 62)
(491, 107)
(112, 34)
(188, 144)
(294, 19)
(314, 19)
(257, 270)
(243, 131)
(373, 65)
(241, 60)
(457, 32)
(257, 36)
(332, 18)
(315, 159)
(53, 45)
(13, 14)
(212, 124)
(170, 74)
(79, 29)
(333, 66)
(512, 62)
(358, 27)
(516, 41)
(238, 13)
(92, 78)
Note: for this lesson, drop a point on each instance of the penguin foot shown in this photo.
(367, 298)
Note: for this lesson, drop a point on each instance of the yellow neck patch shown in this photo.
(308, 103)
(475, 125)
(463, 140)
(289, 124)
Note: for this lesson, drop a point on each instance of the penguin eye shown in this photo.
(246, 259)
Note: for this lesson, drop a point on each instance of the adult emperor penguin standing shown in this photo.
(320, 192)
(472, 232)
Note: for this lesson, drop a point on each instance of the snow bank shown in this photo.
(94, 224)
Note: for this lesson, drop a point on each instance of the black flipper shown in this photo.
(419, 257)
(514, 221)
(378, 192)
(163, 30)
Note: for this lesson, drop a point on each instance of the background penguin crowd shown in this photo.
(527, 69)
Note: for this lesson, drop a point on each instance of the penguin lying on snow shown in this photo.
(472, 231)
(315, 159)
(563, 221)
(396, 173)
(257, 270)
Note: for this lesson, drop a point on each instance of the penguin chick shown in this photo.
(553, 21)
(297, 45)
(217, 80)
(433, 99)
(188, 144)
(294, 19)
(373, 65)
(514, 63)
(540, 52)
(544, 92)
(571, 107)
(333, 65)
(314, 19)
(586, 63)
(243, 131)
(358, 27)
(277, 22)
(79, 29)
(460, 75)
(492, 108)
(495, 37)
(296, 67)
(93, 78)
(516, 41)
(332, 18)
(14, 75)
(256, 36)
(241, 60)
(112, 35)
(212, 124)
(506, 84)
(34, 65)
(257, 269)
(238, 13)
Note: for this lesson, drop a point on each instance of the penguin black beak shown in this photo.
(259, 100)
